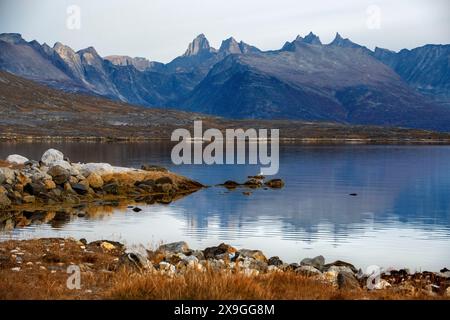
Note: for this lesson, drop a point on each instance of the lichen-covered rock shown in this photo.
(4, 201)
(95, 180)
(16, 158)
(49, 184)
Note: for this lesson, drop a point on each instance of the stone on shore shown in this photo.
(347, 280)
(222, 250)
(174, 247)
(17, 159)
(316, 262)
(51, 156)
(308, 271)
(95, 180)
(59, 174)
(258, 255)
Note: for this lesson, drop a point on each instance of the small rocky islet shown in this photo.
(54, 180)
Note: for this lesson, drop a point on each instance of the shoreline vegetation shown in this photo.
(41, 269)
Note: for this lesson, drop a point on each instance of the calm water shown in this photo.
(400, 218)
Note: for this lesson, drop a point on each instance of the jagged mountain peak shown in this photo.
(13, 38)
(198, 46)
(311, 38)
(230, 46)
(339, 41)
(88, 50)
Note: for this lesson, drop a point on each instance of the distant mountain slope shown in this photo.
(29, 109)
(314, 82)
(305, 79)
(426, 68)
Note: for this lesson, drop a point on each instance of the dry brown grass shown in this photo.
(101, 279)
(219, 286)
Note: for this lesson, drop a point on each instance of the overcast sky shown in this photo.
(161, 29)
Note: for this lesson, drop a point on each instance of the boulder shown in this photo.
(213, 252)
(380, 285)
(346, 280)
(34, 188)
(51, 156)
(9, 174)
(253, 183)
(275, 261)
(135, 261)
(16, 158)
(316, 262)
(95, 180)
(229, 184)
(163, 180)
(175, 247)
(4, 201)
(59, 174)
(340, 263)
(98, 168)
(49, 184)
(111, 188)
(255, 254)
(275, 183)
(308, 271)
(80, 188)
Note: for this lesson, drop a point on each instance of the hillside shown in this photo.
(31, 110)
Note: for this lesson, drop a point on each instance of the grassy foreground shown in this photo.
(37, 269)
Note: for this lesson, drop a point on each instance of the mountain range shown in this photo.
(304, 80)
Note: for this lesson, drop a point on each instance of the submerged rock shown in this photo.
(275, 183)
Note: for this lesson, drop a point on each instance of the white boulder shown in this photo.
(16, 158)
(99, 168)
(51, 156)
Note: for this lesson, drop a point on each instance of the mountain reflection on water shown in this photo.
(400, 216)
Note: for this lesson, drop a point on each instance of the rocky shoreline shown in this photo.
(55, 181)
(31, 260)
